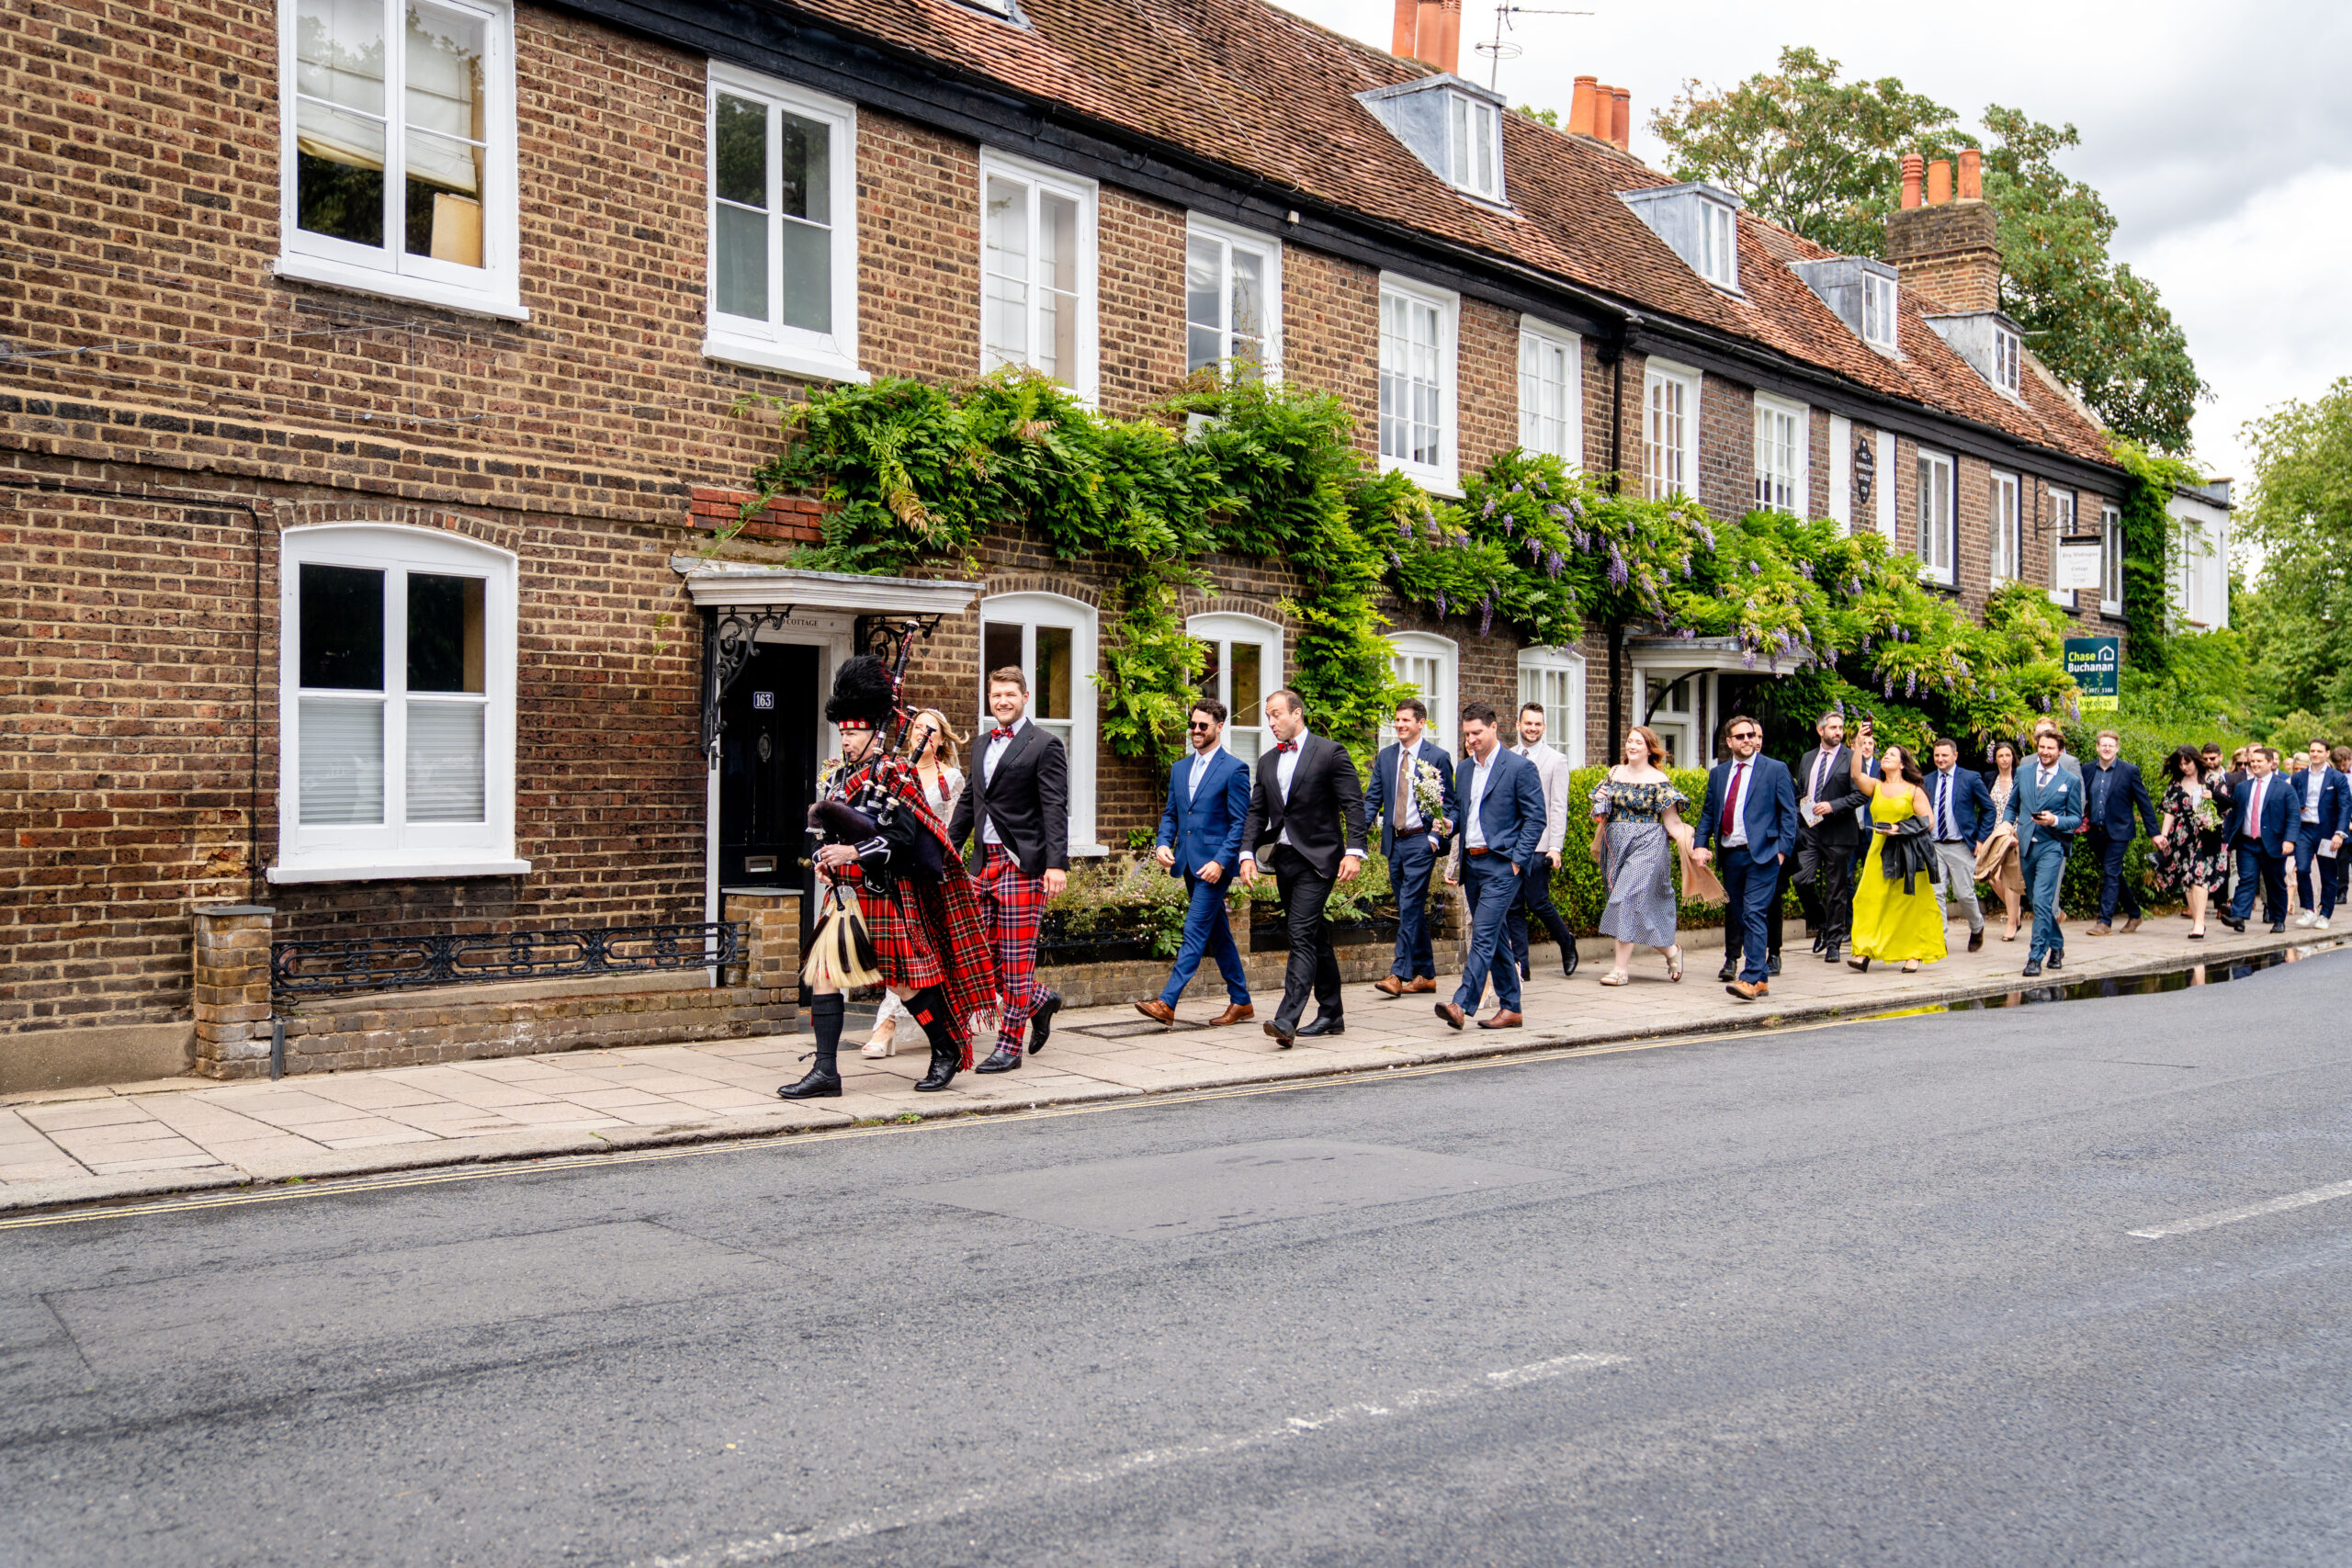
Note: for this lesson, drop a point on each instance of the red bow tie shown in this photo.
(1281, 746)
(1003, 734)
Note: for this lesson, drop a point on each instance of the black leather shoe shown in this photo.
(1003, 1059)
(2056, 961)
(1819, 942)
(1041, 1022)
(2278, 928)
(1829, 954)
(2032, 967)
(1728, 972)
(1277, 1029)
(1325, 1023)
(2238, 926)
(1772, 963)
(944, 1061)
(817, 1085)
(1569, 960)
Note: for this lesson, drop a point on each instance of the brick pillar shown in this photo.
(773, 960)
(232, 1010)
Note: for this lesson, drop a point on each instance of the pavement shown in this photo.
(2052, 1284)
(193, 1134)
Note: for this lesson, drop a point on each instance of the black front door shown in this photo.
(768, 767)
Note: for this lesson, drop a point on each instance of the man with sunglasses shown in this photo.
(1751, 822)
(1200, 840)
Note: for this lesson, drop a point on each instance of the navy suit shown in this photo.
(2109, 811)
(1202, 827)
(1511, 819)
(2041, 851)
(1751, 871)
(2335, 807)
(2262, 858)
(1410, 859)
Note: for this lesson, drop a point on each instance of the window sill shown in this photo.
(1438, 481)
(392, 286)
(752, 354)
(383, 870)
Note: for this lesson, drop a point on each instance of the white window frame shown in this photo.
(1443, 698)
(393, 848)
(1841, 472)
(2062, 522)
(1783, 486)
(1883, 486)
(1882, 316)
(1227, 629)
(1030, 611)
(1555, 676)
(1443, 475)
(771, 344)
(1474, 147)
(1936, 542)
(494, 288)
(2110, 530)
(2006, 558)
(1541, 347)
(1268, 249)
(1087, 194)
(1677, 451)
(1719, 244)
(2008, 351)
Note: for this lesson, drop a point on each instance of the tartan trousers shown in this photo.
(1013, 905)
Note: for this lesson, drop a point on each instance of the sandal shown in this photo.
(1674, 962)
(1615, 978)
(883, 1042)
(1911, 967)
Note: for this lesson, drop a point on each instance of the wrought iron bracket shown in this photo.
(727, 644)
(882, 636)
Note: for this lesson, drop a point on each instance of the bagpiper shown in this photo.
(884, 845)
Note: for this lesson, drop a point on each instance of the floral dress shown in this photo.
(1638, 860)
(2188, 854)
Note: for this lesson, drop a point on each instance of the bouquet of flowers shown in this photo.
(1428, 791)
(2209, 816)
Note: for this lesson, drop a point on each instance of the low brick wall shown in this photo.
(1105, 985)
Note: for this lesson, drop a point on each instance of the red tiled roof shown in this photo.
(1246, 85)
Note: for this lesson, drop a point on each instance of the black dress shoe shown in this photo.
(1819, 942)
(2278, 928)
(2056, 961)
(945, 1061)
(1829, 954)
(1729, 972)
(1041, 1022)
(1003, 1059)
(817, 1085)
(1772, 963)
(1325, 1023)
(2032, 967)
(1284, 1032)
(2238, 926)
(1569, 960)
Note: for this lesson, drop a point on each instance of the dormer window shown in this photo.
(1699, 221)
(1454, 125)
(1990, 342)
(1878, 311)
(1473, 147)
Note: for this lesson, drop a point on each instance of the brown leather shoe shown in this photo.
(1452, 1014)
(1159, 1013)
(1389, 985)
(1742, 991)
(2132, 925)
(2099, 929)
(1425, 984)
(1502, 1019)
(1238, 1012)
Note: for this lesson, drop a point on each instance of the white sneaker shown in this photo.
(2303, 922)
(2320, 924)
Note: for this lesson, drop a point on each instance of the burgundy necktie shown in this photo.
(1730, 797)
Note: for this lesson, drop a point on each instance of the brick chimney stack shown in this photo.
(1430, 32)
(1948, 251)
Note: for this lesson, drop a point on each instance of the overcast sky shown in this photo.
(2220, 133)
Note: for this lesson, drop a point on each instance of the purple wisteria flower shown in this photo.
(1690, 631)
(1519, 489)
(1543, 489)
(1754, 570)
(1553, 562)
(1487, 614)
(1509, 523)
(1619, 574)
(1488, 510)
(1404, 527)
(1805, 566)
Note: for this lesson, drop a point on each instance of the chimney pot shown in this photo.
(1408, 29)
(1440, 41)
(1621, 120)
(1913, 166)
(1938, 182)
(1972, 174)
(1580, 106)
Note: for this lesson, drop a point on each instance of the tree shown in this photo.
(1824, 157)
(2298, 621)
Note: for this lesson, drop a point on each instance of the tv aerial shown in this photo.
(1503, 48)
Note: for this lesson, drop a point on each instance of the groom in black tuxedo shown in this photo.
(1306, 822)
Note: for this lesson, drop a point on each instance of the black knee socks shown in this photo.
(825, 1022)
(930, 1008)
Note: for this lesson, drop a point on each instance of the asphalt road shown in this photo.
(1862, 1294)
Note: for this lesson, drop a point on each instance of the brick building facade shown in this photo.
(217, 403)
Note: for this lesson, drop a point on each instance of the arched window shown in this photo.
(1555, 677)
(1428, 664)
(1050, 639)
(1244, 664)
(396, 709)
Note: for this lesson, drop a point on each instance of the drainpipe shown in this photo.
(1613, 354)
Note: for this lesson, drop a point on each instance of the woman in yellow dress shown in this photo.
(1899, 917)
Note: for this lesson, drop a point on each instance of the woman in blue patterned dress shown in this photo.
(1635, 827)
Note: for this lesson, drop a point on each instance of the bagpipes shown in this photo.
(841, 955)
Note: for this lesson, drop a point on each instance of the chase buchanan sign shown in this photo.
(2097, 665)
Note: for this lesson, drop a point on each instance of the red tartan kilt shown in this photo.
(907, 959)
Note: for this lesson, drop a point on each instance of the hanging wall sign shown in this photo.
(2081, 560)
(1865, 468)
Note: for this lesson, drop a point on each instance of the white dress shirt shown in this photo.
(1286, 768)
(1742, 775)
(1474, 832)
(2318, 777)
(994, 753)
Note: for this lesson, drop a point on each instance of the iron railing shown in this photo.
(339, 965)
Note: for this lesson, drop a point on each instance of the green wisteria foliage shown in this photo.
(1241, 467)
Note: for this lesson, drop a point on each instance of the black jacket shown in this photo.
(1838, 792)
(1323, 813)
(1028, 800)
(1909, 853)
